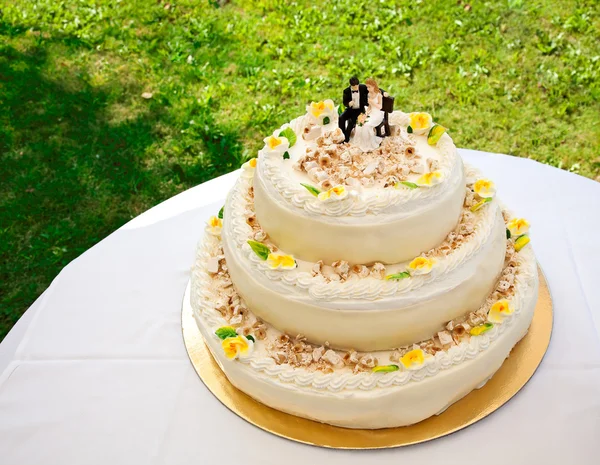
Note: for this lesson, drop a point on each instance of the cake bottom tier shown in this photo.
(327, 389)
(383, 407)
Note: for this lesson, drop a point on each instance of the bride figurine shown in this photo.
(364, 134)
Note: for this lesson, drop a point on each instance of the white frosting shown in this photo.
(371, 223)
(238, 231)
(280, 177)
(348, 314)
(367, 314)
(406, 396)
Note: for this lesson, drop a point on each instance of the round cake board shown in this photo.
(508, 380)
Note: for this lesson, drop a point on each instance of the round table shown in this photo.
(96, 372)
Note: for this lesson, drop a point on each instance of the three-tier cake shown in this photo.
(364, 289)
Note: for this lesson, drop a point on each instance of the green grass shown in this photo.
(82, 152)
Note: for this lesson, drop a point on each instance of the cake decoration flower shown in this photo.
(521, 242)
(435, 134)
(484, 188)
(249, 167)
(276, 144)
(413, 358)
(214, 225)
(429, 179)
(260, 249)
(518, 226)
(408, 184)
(274, 260)
(288, 133)
(397, 276)
(322, 113)
(421, 265)
(479, 330)
(336, 192)
(419, 122)
(480, 204)
(500, 310)
(237, 347)
(312, 189)
(225, 331)
(277, 260)
(385, 368)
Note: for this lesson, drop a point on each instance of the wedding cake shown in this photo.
(362, 288)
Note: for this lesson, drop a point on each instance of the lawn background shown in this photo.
(108, 107)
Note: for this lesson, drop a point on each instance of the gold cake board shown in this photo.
(508, 380)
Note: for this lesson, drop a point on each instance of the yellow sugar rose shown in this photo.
(214, 225)
(336, 192)
(421, 265)
(321, 113)
(248, 168)
(429, 179)
(413, 358)
(275, 144)
(285, 262)
(484, 188)
(499, 311)
(518, 226)
(420, 122)
(237, 347)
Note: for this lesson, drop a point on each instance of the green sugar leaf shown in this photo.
(409, 129)
(410, 185)
(435, 133)
(480, 204)
(250, 338)
(225, 331)
(479, 330)
(290, 135)
(221, 211)
(521, 242)
(326, 120)
(385, 368)
(260, 249)
(507, 233)
(313, 190)
(402, 275)
(286, 155)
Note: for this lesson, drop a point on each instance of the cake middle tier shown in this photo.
(371, 220)
(359, 307)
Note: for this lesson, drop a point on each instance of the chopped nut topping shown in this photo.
(445, 338)
(333, 358)
(342, 268)
(378, 270)
(317, 268)
(260, 235)
(360, 270)
(212, 266)
(318, 353)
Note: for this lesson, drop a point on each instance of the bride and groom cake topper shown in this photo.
(363, 114)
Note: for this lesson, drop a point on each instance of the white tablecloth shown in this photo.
(96, 371)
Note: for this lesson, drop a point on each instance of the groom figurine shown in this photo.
(356, 101)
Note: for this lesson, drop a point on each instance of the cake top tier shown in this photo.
(308, 165)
